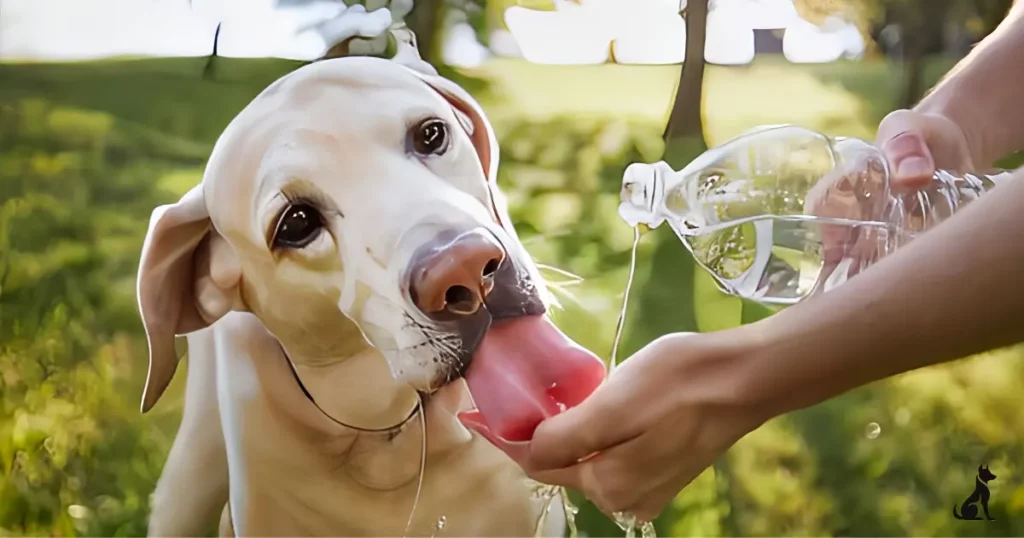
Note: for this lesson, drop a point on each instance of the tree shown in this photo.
(684, 133)
(208, 68)
(684, 140)
(426, 20)
(922, 25)
(922, 28)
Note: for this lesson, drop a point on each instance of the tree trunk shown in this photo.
(913, 76)
(664, 302)
(684, 133)
(208, 68)
(922, 22)
(426, 20)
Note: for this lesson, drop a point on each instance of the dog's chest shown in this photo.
(299, 491)
(285, 481)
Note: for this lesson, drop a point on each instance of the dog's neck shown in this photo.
(358, 390)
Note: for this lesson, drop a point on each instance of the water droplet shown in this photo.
(873, 430)
(441, 522)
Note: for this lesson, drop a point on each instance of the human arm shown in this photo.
(674, 407)
(952, 292)
(973, 117)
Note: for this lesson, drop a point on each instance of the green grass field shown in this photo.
(87, 150)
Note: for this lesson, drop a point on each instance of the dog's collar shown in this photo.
(388, 430)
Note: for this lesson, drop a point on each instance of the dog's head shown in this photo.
(984, 474)
(353, 204)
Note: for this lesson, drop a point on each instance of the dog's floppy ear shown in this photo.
(188, 278)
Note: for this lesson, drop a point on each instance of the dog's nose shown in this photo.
(452, 278)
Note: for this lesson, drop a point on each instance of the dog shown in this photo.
(980, 495)
(346, 259)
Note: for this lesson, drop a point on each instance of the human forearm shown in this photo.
(982, 93)
(952, 292)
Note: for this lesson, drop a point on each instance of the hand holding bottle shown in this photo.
(677, 405)
(917, 143)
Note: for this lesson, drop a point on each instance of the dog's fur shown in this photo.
(980, 495)
(252, 446)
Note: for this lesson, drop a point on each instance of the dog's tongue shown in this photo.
(525, 371)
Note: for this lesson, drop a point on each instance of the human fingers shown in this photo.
(903, 134)
(518, 451)
(903, 140)
(627, 479)
(648, 489)
(600, 422)
(609, 480)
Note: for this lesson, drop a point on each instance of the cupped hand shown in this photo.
(662, 418)
(917, 143)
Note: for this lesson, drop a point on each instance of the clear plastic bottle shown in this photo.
(782, 212)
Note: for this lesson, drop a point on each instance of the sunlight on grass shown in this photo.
(129, 135)
(735, 99)
(769, 93)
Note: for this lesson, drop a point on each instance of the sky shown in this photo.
(88, 29)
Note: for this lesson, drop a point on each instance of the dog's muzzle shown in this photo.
(451, 276)
(463, 280)
(518, 366)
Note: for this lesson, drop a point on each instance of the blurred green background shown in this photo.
(88, 149)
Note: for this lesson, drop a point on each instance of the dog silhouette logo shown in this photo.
(980, 495)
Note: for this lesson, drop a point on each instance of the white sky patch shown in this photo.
(90, 29)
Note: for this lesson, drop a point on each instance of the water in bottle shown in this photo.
(783, 212)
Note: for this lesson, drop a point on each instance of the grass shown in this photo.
(166, 104)
(841, 98)
(797, 475)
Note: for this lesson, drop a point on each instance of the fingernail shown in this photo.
(906, 143)
(908, 153)
(913, 167)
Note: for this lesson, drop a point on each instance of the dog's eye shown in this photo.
(298, 226)
(429, 137)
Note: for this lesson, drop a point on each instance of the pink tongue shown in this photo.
(525, 371)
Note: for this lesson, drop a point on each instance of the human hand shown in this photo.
(651, 428)
(914, 144)
(917, 143)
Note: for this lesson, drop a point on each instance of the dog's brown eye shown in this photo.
(429, 137)
(299, 225)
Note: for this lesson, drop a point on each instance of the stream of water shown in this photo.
(626, 521)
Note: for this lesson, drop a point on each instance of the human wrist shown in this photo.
(758, 350)
(797, 358)
(719, 369)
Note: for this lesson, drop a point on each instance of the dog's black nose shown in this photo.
(452, 275)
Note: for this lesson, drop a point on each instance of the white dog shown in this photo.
(345, 260)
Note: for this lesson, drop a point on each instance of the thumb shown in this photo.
(600, 422)
(903, 141)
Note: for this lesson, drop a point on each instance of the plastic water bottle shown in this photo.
(782, 212)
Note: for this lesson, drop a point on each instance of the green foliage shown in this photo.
(77, 191)
(84, 160)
